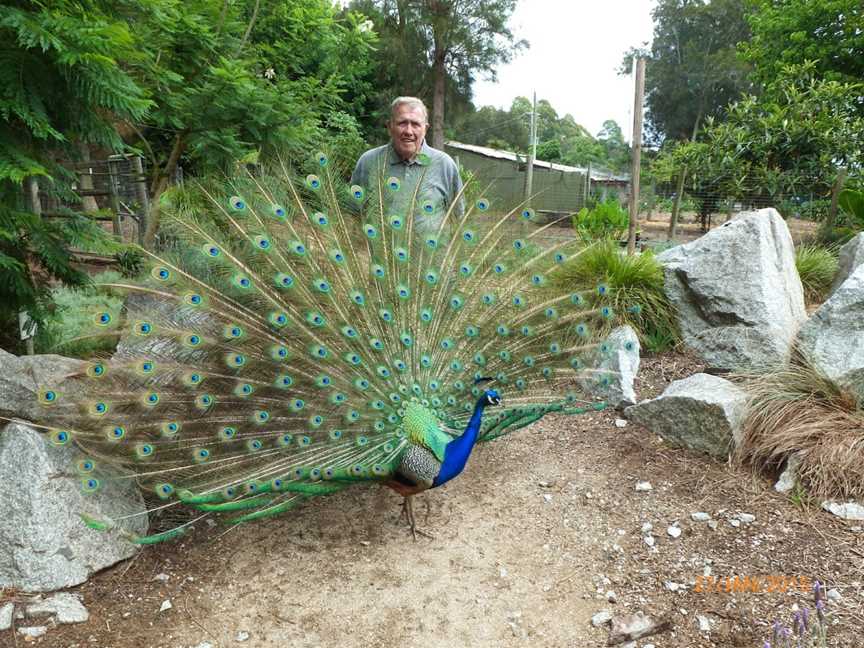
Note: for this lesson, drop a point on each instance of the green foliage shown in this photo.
(851, 201)
(635, 280)
(786, 142)
(68, 328)
(830, 33)
(692, 70)
(606, 220)
(816, 266)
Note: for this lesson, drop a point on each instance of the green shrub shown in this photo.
(816, 266)
(632, 281)
(607, 220)
(68, 328)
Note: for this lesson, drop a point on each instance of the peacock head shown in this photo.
(491, 397)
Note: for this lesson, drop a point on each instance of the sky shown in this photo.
(576, 49)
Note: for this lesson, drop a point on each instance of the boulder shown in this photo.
(615, 369)
(851, 258)
(702, 412)
(832, 340)
(44, 545)
(737, 292)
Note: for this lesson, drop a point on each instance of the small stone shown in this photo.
(672, 586)
(674, 531)
(700, 516)
(503, 572)
(34, 632)
(648, 540)
(834, 595)
(704, 623)
(547, 497)
(712, 524)
(847, 510)
(735, 522)
(204, 644)
(364, 543)
(6, 616)
(620, 423)
(601, 618)
(161, 577)
(635, 626)
(126, 615)
(64, 606)
(648, 646)
(646, 527)
(166, 605)
(242, 636)
(643, 486)
(747, 518)
(611, 596)
(787, 479)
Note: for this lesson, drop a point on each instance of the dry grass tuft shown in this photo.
(798, 410)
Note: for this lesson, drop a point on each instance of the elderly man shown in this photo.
(408, 158)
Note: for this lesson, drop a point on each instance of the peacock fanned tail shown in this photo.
(271, 355)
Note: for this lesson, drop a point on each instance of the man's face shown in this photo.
(407, 129)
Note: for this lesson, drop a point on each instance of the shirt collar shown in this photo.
(395, 159)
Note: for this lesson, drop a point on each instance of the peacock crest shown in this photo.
(300, 336)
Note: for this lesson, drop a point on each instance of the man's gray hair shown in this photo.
(411, 101)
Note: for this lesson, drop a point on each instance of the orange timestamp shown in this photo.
(765, 583)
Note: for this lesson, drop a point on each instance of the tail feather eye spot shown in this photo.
(432, 242)
(426, 315)
(401, 254)
(86, 466)
(143, 328)
(164, 490)
(518, 245)
(193, 299)
(602, 289)
(428, 207)
(48, 397)
(278, 319)
(144, 450)
(212, 250)
(560, 258)
(161, 273)
(393, 184)
(170, 429)
(60, 437)
(482, 204)
(357, 192)
(528, 214)
(90, 485)
(370, 231)
(396, 222)
(237, 203)
(103, 319)
(116, 433)
(313, 182)
(606, 312)
(322, 159)
(200, 455)
(469, 236)
(378, 271)
(320, 219)
(278, 211)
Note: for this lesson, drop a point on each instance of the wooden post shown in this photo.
(676, 205)
(28, 330)
(587, 185)
(115, 200)
(532, 152)
(635, 166)
(88, 203)
(143, 198)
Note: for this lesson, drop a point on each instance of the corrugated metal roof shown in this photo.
(596, 174)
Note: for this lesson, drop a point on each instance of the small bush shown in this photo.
(68, 328)
(632, 281)
(607, 220)
(816, 266)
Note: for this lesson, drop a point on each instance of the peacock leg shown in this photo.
(408, 510)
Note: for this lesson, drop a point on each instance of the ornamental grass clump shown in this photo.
(816, 266)
(797, 410)
(635, 284)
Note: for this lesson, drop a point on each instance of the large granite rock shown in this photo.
(616, 369)
(851, 258)
(737, 292)
(833, 338)
(702, 412)
(44, 545)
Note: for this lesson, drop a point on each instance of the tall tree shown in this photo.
(451, 41)
(692, 69)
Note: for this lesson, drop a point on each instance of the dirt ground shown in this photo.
(527, 544)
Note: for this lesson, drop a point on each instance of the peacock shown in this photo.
(298, 337)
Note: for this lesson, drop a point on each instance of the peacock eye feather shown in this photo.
(321, 158)
(393, 184)
(313, 182)
(482, 204)
(237, 203)
(358, 193)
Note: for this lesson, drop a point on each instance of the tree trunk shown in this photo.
(88, 203)
(676, 206)
(160, 183)
(440, 74)
(831, 218)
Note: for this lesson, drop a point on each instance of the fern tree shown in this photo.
(60, 84)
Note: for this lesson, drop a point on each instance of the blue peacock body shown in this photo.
(301, 337)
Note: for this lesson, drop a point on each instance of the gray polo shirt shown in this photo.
(437, 171)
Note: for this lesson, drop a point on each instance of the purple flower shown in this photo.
(805, 618)
(775, 632)
(817, 590)
(820, 611)
(766, 645)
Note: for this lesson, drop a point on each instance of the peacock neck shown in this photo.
(459, 449)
